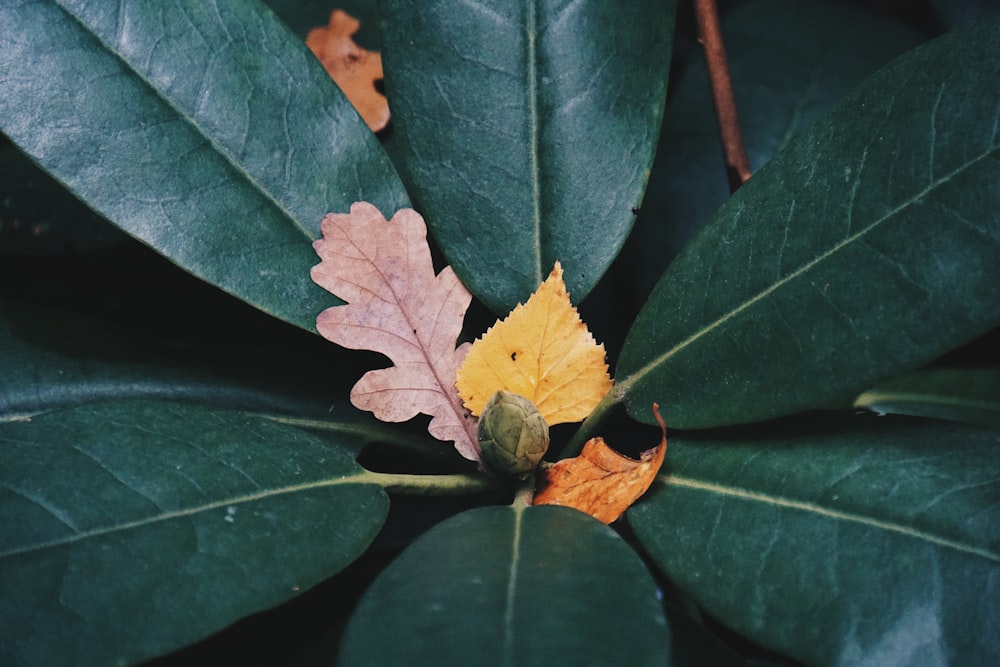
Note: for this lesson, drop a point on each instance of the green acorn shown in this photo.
(513, 436)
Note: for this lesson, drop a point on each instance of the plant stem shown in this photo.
(575, 444)
(710, 36)
(525, 492)
(431, 485)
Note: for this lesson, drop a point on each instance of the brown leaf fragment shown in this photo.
(397, 306)
(354, 69)
(601, 482)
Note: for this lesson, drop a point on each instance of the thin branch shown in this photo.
(710, 36)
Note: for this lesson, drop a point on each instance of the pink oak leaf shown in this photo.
(396, 306)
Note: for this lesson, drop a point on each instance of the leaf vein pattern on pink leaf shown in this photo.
(398, 307)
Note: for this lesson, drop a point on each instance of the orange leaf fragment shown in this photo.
(543, 351)
(396, 306)
(354, 69)
(602, 482)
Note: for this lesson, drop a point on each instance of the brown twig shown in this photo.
(734, 153)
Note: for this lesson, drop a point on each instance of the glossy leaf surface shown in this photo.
(814, 54)
(498, 585)
(208, 131)
(840, 262)
(134, 528)
(528, 129)
(883, 532)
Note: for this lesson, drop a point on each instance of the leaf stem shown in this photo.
(710, 36)
(430, 485)
(524, 494)
(575, 444)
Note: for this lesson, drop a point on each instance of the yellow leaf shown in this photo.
(602, 482)
(541, 351)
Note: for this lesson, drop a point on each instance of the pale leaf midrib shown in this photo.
(827, 513)
(509, 640)
(182, 513)
(625, 384)
(531, 35)
(875, 396)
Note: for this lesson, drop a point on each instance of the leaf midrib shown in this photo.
(828, 513)
(875, 396)
(356, 478)
(531, 31)
(625, 385)
(227, 156)
(509, 654)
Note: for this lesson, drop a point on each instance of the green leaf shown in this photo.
(304, 382)
(814, 54)
(134, 528)
(960, 394)
(39, 217)
(511, 586)
(872, 541)
(528, 130)
(206, 130)
(869, 246)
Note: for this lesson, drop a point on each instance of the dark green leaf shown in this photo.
(869, 246)
(134, 528)
(869, 542)
(206, 130)
(39, 217)
(961, 394)
(528, 131)
(814, 54)
(511, 586)
(44, 370)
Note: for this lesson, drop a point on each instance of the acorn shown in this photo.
(513, 436)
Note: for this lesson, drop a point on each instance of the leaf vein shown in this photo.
(837, 515)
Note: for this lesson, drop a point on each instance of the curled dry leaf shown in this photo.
(541, 351)
(396, 306)
(354, 69)
(602, 482)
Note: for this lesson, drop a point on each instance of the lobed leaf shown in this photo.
(134, 528)
(527, 127)
(397, 306)
(537, 586)
(354, 69)
(867, 247)
(206, 130)
(859, 541)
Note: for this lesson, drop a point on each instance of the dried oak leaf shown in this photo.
(602, 482)
(396, 306)
(354, 69)
(541, 351)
